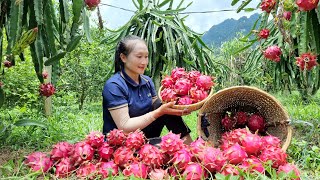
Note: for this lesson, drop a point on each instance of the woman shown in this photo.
(129, 98)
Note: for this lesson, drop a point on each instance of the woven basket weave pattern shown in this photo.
(251, 100)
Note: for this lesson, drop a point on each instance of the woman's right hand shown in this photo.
(167, 109)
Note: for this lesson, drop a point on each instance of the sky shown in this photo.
(114, 18)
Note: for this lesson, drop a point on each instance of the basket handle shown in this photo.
(204, 124)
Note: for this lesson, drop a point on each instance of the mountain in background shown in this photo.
(228, 29)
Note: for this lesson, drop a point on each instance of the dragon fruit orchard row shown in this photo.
(185, 87)
(131, 155)
(306, 60)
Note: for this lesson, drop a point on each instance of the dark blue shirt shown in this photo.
(120, 91)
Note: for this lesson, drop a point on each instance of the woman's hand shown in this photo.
(167, 109)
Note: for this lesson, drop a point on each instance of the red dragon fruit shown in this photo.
(204, 82)
(158, 174)
(95, 139)
(287, 15)
(252, 164)
(256, 123)
(198, 94)
(252, 144)
(45, 74)
(116, 137)
(181, 158)
(229, 169)
(105, 151)
(135, 139)
(194, 171)
(193, 76)
(151, 156)
(104, 168)
(47, 89)
(167, 82)
(268, 5)
(61, 150)
(228, 123)
(271, 141)
(306, 61)
(196, 147)
(307, 5)
(173, 172)
(92, 3)
(171, 143)
(241, 118)
(123, 156)
(7, 64)
(64, 168)
(235, 154)
(213, 159)
(273, 53)
(178, 73)
(87, 170)
(38, 161)
(185, 100)
(235, 136)
(168, 95)
(275, 154)
(264, 33)
(182, 86)
(137, 169)
(287, 168)
(82, 152)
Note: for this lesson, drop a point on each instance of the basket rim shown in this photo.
(252, 88)
(190, 105)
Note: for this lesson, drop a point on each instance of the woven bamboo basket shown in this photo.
(248, 99)
(191, 107)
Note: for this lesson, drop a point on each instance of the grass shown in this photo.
(67, 123)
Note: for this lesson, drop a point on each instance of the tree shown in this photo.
(295, 28)
(171, 43)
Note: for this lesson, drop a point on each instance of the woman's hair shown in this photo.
(125, 48)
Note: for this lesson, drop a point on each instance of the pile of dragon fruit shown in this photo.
(131, 155)
(185, 87)
(254, 121)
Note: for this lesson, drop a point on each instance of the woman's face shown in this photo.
(135, 63)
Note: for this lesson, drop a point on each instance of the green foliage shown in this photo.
(85, 70)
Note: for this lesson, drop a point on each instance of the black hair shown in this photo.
(125, 48)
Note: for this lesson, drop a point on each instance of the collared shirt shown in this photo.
(120, 91)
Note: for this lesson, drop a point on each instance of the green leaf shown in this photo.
(303, 43)
(234, 2)
(243, 5)
(249, 9)
(164, 3)
(38, 9)
(64, 11)
(16, 12)
(86, 25)
(55, 58)
(77, 6)
(2, 97)
(73, 43)
(28, 122)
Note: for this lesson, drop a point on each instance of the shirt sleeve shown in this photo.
(153, 89)
(115, 96)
